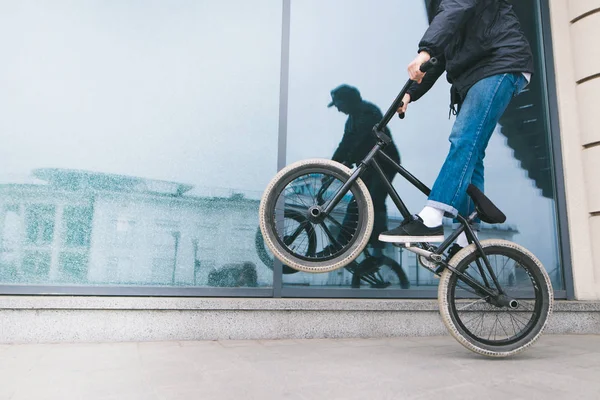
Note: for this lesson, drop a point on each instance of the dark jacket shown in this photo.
(473, 39)
(358, 137)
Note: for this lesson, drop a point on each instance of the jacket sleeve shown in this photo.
(451, 16)
(417, 90)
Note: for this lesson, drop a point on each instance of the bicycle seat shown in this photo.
(486, 210)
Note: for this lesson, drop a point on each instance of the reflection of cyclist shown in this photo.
(357, 141)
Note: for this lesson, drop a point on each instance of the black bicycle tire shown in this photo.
(449, 280)
(268, 204)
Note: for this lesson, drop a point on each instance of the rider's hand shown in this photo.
(405, 101)
(413, 68)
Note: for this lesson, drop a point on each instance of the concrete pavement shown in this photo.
(557, 367)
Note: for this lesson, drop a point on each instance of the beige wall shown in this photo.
(575, 36)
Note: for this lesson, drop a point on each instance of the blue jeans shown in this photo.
(480, 112)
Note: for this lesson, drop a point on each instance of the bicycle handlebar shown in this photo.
(378, 128)
(429, 64)
(424, 68)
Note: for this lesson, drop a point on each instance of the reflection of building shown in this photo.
(91, 228)
(83, 227)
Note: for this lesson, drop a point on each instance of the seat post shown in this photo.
(472, 217)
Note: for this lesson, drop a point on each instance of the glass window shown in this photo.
(138, 138)
(143, 126)
(354, 43)
(78, 226)
(10, 241)
(36, 265)
(40, 224)
(73, 267)
(124, 232)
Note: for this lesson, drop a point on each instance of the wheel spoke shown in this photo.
(475, 302)
(298, 230)
(472, 319)
(500, 322)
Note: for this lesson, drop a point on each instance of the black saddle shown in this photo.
(486, 210)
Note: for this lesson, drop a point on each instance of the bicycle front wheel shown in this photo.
(306, 187)
(481, 324)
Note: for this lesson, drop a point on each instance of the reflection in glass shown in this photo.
(326, 49)
(137, 147)
(126, 233)
(40, 224)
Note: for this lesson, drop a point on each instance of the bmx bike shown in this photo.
(495, 297)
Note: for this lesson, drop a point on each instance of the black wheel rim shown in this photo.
(486, 323)
(334, 234)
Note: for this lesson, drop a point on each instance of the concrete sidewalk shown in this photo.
(557, 367)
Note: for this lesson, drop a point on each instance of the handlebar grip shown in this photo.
(429, 64)
(401, 115)
(394, 108)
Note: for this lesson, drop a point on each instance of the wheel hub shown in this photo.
(502, 300)
(315, 214)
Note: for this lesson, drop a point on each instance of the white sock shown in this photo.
(462, 239)
(431, 216)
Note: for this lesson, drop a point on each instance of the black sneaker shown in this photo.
(413, 231)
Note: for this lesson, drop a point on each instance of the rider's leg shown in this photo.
(481, 110)
(466, 205)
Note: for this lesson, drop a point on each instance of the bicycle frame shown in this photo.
(371, 161)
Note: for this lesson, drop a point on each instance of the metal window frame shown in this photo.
(134, 291)
(552, 123)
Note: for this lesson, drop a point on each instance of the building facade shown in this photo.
(577, 68)
(139, 138)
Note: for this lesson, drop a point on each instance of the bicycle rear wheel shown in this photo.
(306, 187)
(481, 324)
